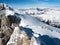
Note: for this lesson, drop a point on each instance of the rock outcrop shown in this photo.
(19, 37)
(13, 34)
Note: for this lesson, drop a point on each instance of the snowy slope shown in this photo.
(51, 15)
(38, 27)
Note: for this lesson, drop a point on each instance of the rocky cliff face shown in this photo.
(11, 33)
(18, 37)
(5, 30)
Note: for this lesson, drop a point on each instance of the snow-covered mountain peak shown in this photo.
(32, 26)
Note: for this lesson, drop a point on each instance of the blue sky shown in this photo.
(31, 3)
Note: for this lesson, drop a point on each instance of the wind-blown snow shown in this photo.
(9, 12)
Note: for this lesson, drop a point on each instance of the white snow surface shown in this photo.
(35, 35)
(39, 27)
(53, 15)
(9, 12)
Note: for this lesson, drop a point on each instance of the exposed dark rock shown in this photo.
(1, 35)
(14, 19)
(6, 39)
